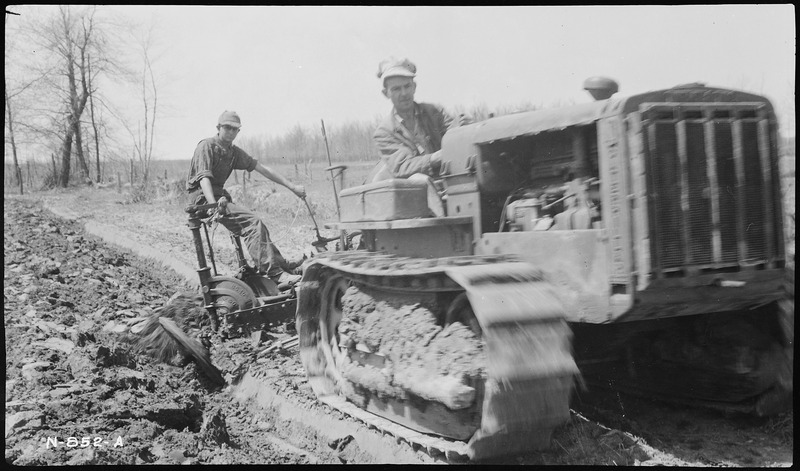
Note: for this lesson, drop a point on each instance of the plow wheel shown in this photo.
(231, 295)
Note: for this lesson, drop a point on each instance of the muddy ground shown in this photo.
(77, 393)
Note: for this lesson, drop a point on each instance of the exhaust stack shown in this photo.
(601, 88)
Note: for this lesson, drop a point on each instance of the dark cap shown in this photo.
(230, 118)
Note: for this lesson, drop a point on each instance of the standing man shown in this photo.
(213, 162)
(410, 138)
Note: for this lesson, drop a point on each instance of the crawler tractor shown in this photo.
(636, 243)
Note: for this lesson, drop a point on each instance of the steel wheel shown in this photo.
(461, 311)
(319, 311)
(329, 319)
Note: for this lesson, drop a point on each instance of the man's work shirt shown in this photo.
(407, 147)
(211, 159)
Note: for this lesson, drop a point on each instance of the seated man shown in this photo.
(410, 138)
(213, 162)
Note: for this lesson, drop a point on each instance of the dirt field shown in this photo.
(77, 394)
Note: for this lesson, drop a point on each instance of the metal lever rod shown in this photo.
(311, 213)
(330, 165)
(342, 234)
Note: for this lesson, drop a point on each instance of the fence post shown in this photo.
(244, 185)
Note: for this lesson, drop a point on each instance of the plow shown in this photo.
(631, 243)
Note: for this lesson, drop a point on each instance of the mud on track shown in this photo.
(70, 301)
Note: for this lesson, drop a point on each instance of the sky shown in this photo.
(283, 66)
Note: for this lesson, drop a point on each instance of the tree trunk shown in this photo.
(55, 168)
(17, 170)
(66, 153)
(77, 103)
(94, 123)
(84, 169)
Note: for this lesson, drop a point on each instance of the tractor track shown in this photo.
(636, 431)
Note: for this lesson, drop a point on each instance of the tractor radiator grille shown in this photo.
(711, 187)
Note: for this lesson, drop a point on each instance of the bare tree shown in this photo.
(94, 123)
(74, 49)
(79, 51)
(10, 125)
(143, 132)
(75, 44)
(144, 146)
(11, 95)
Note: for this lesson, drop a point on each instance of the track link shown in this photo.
(454, 451)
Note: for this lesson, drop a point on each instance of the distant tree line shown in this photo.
(347, 142)
(351, 141)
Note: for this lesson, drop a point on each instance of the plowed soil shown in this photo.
(76, 393)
